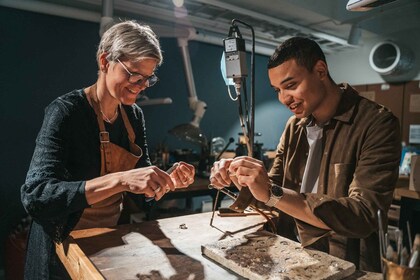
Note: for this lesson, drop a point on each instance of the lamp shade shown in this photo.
(190, 133)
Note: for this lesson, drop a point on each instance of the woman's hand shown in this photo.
(182, 174)
(150, 181)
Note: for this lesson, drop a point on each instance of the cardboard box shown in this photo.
(415, 173)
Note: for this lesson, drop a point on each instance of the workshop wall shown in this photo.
(45, 56)
(221, 117)
(42, 58)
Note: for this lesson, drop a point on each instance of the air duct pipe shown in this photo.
(393, 62)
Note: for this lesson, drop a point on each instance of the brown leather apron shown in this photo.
(113, 159)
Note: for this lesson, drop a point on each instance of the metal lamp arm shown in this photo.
(199, 107)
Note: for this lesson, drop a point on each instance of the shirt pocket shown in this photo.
(343, 175)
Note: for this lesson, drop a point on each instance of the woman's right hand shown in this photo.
(150, 181)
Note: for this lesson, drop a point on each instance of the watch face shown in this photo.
(276, 190)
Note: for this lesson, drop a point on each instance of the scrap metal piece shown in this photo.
(243, 200)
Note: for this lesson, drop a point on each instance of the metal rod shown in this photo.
(410, 241)
(251, 130)
(234, 196)
(214, 207)
(108, 8)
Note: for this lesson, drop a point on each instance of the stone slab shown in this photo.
(263, 255)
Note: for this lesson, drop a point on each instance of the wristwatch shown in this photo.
(276, 193)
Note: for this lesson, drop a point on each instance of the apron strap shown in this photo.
(130, 130)
(93, 100)
(103, 134)
(134, 148)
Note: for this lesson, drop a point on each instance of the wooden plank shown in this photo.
(76, 262)
(363, 275)
(263, 255)
(398, 193)
(161, 249)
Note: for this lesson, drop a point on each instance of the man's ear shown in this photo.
(103, 62)
(321, 69)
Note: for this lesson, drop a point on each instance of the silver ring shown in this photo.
(157, 190)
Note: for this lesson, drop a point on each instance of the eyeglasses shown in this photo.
(140, 79)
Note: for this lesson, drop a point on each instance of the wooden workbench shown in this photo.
(162, 249)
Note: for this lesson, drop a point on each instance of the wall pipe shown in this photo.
(52, 9)
(107, 18)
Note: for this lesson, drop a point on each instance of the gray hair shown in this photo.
(132, 40)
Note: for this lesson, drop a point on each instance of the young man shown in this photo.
(336, 163)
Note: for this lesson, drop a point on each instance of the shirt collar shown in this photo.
(347, 104)
(345, 108)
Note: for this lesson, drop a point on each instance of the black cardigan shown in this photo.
(67, 154)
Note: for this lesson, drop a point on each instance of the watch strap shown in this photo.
(272, 201)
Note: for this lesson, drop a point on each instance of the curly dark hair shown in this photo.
(305, 51)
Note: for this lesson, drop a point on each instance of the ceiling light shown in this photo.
(178, 3)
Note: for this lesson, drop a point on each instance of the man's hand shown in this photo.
(219, 176)
(251, 173)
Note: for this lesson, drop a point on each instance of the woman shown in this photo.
(92, 150)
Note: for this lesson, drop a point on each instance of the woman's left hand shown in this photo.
(182, 174)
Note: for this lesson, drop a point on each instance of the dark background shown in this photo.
(45, 56)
